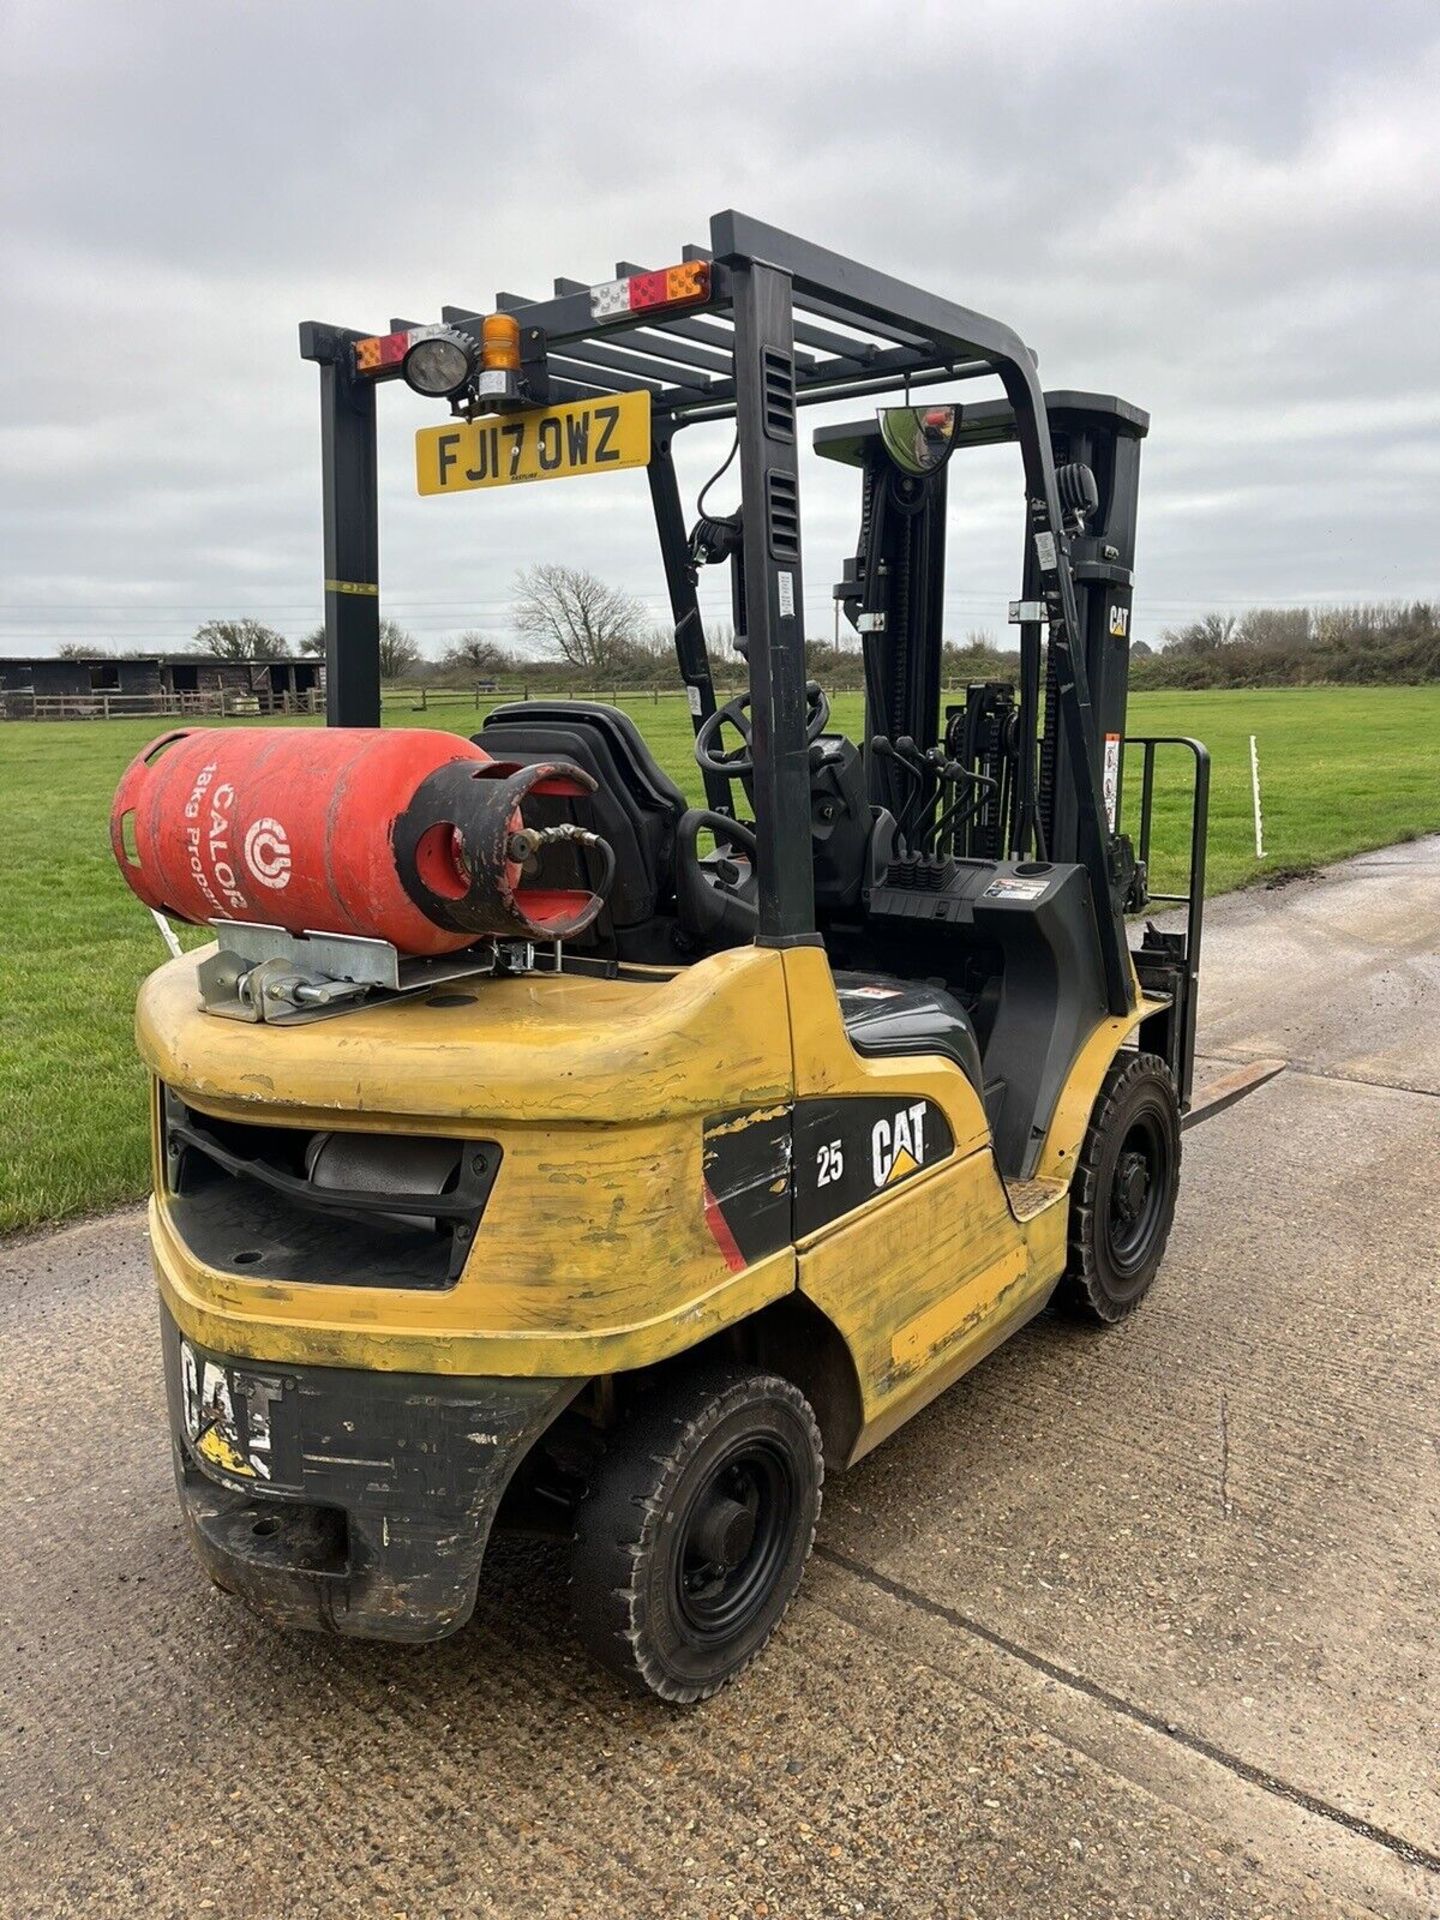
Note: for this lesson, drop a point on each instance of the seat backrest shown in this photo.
(628, 745)
(636, 805)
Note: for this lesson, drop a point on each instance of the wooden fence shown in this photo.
(226, 702)
(235, 703)
(424, 699)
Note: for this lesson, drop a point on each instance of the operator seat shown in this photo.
(636, 806)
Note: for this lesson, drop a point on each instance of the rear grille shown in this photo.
(778, 379)
(329, 1208)
(782, 502)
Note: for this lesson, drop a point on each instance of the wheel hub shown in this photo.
(1132, 1184)
(732, 1540)
(724, 1533)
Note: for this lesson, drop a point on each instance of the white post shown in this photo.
(167, 933)
(1255, 790)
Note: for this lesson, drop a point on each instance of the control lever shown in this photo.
(925, 764)
(949, 773)
(974, 788)
(882, 747)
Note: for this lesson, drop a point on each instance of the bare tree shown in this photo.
(477, 657)
(399, 650)
(819, 657)
(1275, 627)
(77, 650)
(572, 613)
(979, 655)
(657, 640)
(1216, 630)
(241, 640)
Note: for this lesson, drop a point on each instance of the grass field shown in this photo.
(1343, 770)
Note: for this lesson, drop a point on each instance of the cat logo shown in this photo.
(228, 1415)
(897, 1145)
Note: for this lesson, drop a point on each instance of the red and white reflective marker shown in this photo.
(670, 287)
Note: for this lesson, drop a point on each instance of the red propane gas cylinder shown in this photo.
(396, 834)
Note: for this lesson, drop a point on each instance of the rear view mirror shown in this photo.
(919, 439)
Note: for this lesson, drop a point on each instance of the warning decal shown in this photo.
(1112, 777)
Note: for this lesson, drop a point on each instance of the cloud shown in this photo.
(1224, 211)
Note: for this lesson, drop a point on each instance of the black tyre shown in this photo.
(693, 1536)
(1122, 1199)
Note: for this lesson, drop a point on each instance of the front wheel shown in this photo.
(1122, 1200)
(694, 1534)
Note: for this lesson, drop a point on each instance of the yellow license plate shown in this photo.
(544, 443)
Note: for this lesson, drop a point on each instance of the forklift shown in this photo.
(535, 1150)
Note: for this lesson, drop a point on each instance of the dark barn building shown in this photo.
(42, 687)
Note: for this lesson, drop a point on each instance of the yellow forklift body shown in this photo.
(930, 1277)
(594, 1255)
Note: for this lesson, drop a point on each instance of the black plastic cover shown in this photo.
(884, 1015)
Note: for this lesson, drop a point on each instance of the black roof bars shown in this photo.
(686, 361)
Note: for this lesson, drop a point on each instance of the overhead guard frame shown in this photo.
(787, 324)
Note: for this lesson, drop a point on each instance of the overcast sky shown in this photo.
(1227, 212)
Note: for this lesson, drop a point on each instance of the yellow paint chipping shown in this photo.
(921, 1337)
(593, 1255)
(743, 1121)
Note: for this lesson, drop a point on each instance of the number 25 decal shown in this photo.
(829, 1163)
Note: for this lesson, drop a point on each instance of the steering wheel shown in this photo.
(709, 756)
(718, 895)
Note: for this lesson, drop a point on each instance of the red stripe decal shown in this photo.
(724, 1239)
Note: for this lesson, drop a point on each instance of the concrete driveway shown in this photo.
(1132, 1624)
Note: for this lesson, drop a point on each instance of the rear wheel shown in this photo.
(693, 1537)
(1122, 1200)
